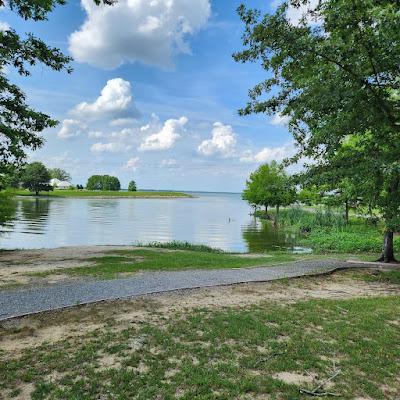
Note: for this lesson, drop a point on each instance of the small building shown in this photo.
(56, 183)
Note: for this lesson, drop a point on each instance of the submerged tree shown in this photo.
(334, 75)
(21, 125)
(268, 186)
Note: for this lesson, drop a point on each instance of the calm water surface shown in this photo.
(216, 219)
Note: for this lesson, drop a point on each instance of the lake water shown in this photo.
(220, 220)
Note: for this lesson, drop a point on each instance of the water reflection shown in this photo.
(261, 235)
(34, 212)
(215, 219)
(8, 211)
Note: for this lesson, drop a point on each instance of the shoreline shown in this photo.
(102, 197)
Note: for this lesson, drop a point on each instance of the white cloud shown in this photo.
(70, 128)
(295, 14)
(96, 134)
(114, 101)
(122, 121)
(279, 119)
(222, 142)
(4, 26)
(149, 31)
(268, 154)
(112, 147)
(132, 164)
(166, 137)
(169, 163)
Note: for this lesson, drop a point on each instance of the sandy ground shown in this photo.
(15, 265)
(27, 332)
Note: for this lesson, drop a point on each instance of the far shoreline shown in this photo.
(104, 195)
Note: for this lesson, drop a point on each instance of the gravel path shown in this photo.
(19, 302)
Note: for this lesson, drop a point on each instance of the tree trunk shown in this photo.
(346, 216)
(387, 255)
(37, 193)
(266, 209)
(277, 210)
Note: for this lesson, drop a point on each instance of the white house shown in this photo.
(56, 183)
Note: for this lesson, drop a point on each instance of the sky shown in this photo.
(154, 95)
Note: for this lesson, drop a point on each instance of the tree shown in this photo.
(60, 174)
(36, 178)
(268, 186)
(132, 186)
(20, 125)
(334, 79)
(103, 182)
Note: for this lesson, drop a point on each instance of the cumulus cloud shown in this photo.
(122, 121)
(96, 134)
(279, 119)
(70, 128)
(168, 163)
(149, 31)
(115, 101)
(111, 147)
(132, 164)
(222, 142)
(4, 26)
(267, 154)
(166, 137)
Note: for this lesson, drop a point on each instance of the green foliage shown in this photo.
(132, 186)
(60, 174)
(177, 245)
(268, 186)
(35, 177)
(103, 182)
(352, 239)
(338, 83)
(21, 125)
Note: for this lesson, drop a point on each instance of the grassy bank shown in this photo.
(102, 194)
(118, 262)
(191, 347)
(325, 230)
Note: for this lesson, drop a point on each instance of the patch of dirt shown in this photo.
(31, 331)
(16, 265)
(292, 378)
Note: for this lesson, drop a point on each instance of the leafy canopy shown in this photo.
(21, 125)
(132, 186)
(103, 182)
(60, 174)
(335, 79)
(35, 177)
(268, 186)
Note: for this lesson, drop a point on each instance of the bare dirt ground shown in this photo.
(16, 265)
(28, 332)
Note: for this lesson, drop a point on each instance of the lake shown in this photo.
(220, 220)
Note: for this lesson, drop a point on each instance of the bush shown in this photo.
(103, 182)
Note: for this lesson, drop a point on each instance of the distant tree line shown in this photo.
(36, 178)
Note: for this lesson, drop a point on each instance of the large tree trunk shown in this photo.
(266, 209)
(387, 248)
(346, 216)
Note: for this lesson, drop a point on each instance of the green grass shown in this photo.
(131, 261)
(178, 245)
(354, 238)
(225, 354)
(325, 231)
(392, 277)
(101, 193)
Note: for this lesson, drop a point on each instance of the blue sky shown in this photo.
(154, 94)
